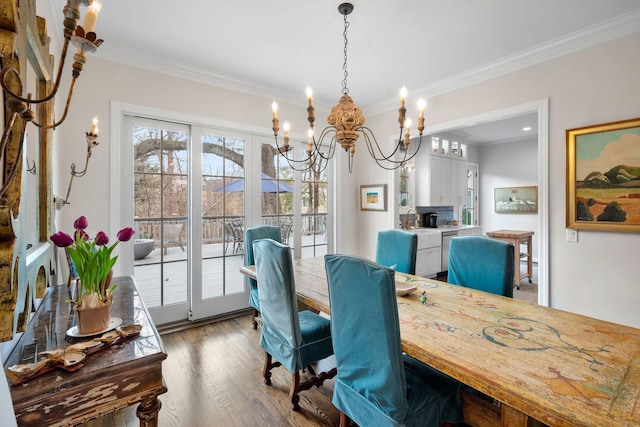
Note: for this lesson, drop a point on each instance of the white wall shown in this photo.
(595, 276)
(598, 275)
(508, 165)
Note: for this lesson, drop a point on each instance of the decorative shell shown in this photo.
(67, 357)
(128, 330)
(109, 337)
(26, 370)
(73, 357)
(85, 345)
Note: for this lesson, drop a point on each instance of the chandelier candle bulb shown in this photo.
(276, 122)
(286, 136)
(421, 106)
(91, 17)
(309, 96)
(402, 111)
(407, 136)
(310, 140)
(311, 117)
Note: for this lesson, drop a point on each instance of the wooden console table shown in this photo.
(517, 238)
(112, 379)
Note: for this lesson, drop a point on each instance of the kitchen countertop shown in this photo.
(443, 228)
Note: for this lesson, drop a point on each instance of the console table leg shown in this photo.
(147, 412)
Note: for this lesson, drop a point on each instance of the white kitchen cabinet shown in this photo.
(442, 182)
(429, 254)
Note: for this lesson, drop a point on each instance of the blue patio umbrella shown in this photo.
(268, 184)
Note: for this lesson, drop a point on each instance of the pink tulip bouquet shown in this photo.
(93, 261)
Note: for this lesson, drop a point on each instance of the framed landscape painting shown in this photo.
(603, 177)
(373, 197)
(516, 199)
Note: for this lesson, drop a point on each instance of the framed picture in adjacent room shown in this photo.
(516, 200)
(603, 176)
(373, 197)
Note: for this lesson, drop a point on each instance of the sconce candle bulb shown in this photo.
(94, 126)
(91, 17)
(92, 141)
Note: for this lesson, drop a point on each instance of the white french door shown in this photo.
(191, 190)
(183, 216)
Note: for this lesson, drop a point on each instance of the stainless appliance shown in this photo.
(429, 219)
(446, 241)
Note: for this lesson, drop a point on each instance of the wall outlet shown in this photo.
(572, 235)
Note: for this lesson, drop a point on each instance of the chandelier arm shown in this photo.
(331, 145)
(372, 148)
(297, 165)
(393, 164)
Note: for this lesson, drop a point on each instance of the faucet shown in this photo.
(407, 225)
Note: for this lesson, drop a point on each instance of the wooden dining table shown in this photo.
(553, 366)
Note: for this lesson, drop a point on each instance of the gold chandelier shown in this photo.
(85, 39)
(346, 125)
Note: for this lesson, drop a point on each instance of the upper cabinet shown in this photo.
(441, 176)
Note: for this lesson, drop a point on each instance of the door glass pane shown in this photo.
(276, 192)
(160, 208)
(223, 193)
(314, 210)
(468, 210)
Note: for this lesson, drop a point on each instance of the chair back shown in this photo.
(281, 334)
(482, 263)
(251, 234)
(366, 339)
(397, 249)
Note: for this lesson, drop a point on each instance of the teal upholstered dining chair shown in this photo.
(376, 384)
(482, 263)
(295, 339)
(397, 249)
(251, 234)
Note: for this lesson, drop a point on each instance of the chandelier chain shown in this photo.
(345, 89)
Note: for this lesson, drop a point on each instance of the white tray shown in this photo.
(404, 288)
(113, 323)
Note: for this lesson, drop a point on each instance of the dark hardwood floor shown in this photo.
(214, 377)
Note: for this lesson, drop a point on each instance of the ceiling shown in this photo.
(276, 48)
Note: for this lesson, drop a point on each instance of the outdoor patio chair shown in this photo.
(172, 235)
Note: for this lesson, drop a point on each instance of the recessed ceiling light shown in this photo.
(526, 128)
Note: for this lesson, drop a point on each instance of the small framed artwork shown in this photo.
(516, 200)
(373, 197)
(603, 177)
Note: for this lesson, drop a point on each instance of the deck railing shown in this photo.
(217, 230)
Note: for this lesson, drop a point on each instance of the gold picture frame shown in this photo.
(373, 197)
(603, 177)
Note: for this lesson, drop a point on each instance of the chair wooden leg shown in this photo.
(313, 380)
(344, 420)
(269, 364)
(293, 392)
(255, 318)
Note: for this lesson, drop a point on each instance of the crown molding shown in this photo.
(611, 29)
(605, 31)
